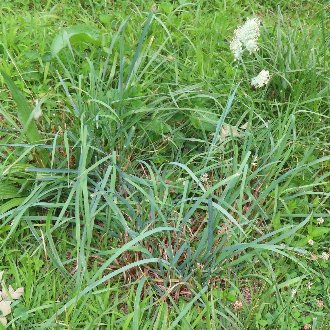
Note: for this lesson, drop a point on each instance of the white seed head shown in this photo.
(246, 37)
(37, 111)
(320, 221)
(320, 303)
(311, 242)
(204, 178)
(236, 48)
(251, 45)
(261, 79)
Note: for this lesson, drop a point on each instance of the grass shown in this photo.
(158, 190)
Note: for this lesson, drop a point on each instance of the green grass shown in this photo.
(121, 209)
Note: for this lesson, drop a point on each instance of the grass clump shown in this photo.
(150, 186)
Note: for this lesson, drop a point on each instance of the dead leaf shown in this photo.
(17, 293)
(245, 126)
(5, 308)
(3, 321)
(228, 130)
(12, 294)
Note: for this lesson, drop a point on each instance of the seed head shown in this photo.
(246, 37)
(204, 178)
(261, 79)
(236, 48)
(237, 305)
(319, 303)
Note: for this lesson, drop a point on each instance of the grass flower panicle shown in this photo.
(319, 303)
(237, 305)
(236, 48)
(320, 221)
(310, 242)
(246, 37)
(37, 111)
(261, 79)
(204, 178)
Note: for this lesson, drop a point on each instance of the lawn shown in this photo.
(165, 165)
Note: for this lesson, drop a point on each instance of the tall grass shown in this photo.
(140, 200)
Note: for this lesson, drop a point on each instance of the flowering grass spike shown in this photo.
(261, 79)
(246, 38)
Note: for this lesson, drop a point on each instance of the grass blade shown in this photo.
(25, 116)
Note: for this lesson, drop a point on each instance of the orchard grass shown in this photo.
(145, 184)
